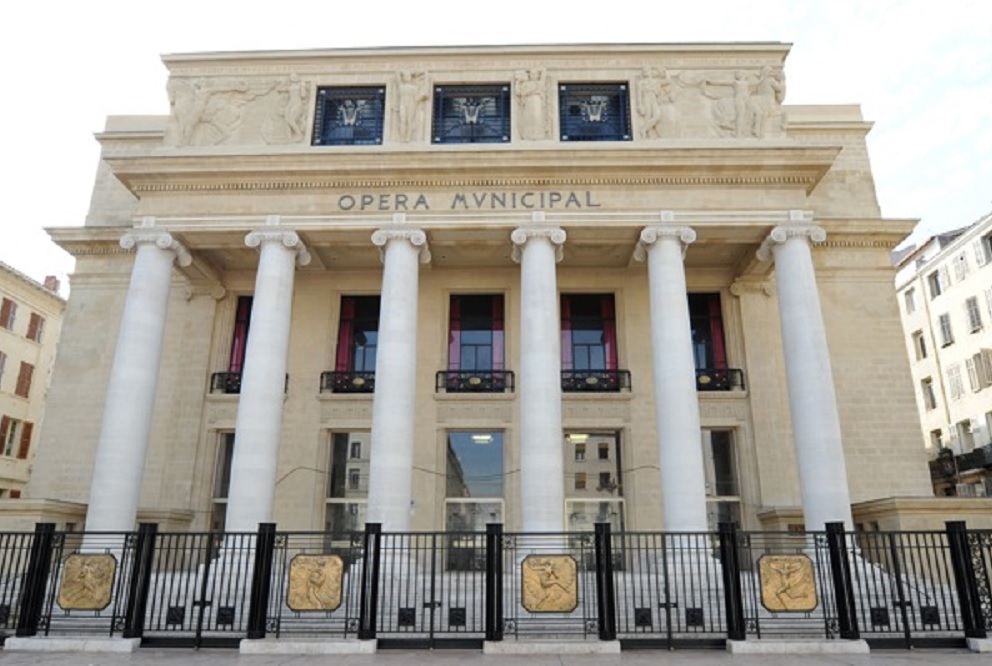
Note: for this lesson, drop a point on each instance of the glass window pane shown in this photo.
(348, 465)
(475, 464)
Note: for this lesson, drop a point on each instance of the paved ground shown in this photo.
(163, 657)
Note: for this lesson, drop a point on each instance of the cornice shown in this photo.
(318, 169)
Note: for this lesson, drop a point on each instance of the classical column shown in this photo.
(542, 463)
(683, 482)
(815, 422)
(393, 407)
(127, 416)
(263, 380)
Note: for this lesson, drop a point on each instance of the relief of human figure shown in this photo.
(210, 112)
(285, 120)
(656, 104)
(413, 94)
(531, 91)
(766, 102)
(746, 105)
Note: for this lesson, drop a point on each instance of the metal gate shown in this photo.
(198, 589)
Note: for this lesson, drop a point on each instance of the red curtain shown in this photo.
(346, 335)
(566, 333)
(240, 338)
(498, 332)
(716, 332)
(608, 312)
(455, 334)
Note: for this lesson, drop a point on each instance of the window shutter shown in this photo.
(22, 451)
(980, 257)
(33, 326)
(23, 388)
(4, 429)
(5, 312)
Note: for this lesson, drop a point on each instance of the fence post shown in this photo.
(140, 582)
(840, 573)
(605, 597)
(35, 580)
(732, 599)
(965, 580)
(494, 581)
(370, 581)
(261, 580)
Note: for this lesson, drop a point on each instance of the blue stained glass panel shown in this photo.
(471, 114)
(594, 111)
(349, 116)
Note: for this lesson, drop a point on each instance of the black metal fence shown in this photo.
(448, 589)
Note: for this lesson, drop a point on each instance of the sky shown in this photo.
(921, 71)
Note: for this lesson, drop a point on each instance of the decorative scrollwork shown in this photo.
(119, 624)
(751, 625)
(820, 540)
(272, 625)
(509, 626)
(351, 625)
(58, 539)
(130, 540)
(592, 626)
(281, 540)
(978, 546)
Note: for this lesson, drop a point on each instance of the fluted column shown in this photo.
(815, 421)
(683, 482)
(263, 380)
(393, 406)
(542, 464)
(127, 416)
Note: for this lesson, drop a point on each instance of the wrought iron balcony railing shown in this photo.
(943, 469)
(975, 459)
(474, 381)
(719, 379)
(347, 381)
(230, 382)
(598, 381)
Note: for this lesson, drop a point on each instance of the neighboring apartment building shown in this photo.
(438, 287)
(30, 322)
(945, 295)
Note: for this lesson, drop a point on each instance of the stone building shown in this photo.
(945, 292)
(439, 287)
(30, 320)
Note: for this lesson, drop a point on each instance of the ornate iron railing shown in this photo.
(230, 382)
(597, 381)
(347, 381)
(976, 459)
(719, 379)
(474, 381)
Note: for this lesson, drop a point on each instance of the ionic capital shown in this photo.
(740, 287)
(416, 237)
(160, 238)
(521, 235)
(651, 235)
(287, 238)
(810, 232)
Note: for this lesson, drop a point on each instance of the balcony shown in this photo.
(230, 383)
(943, 469)
(719, 379)
(347, 381)
(975, 459)
(595, 381)
(474, 381)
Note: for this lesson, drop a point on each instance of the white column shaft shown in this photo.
(393, 406)
(127, 417)
(815, 421)
(263, 388)
(683, 482)
(542, 464)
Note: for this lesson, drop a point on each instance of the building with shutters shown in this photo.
(438, 287)
(945, 296)
(30, 321)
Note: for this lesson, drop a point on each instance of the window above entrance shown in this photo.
(349, 116)
(594, 111)
(471, 114)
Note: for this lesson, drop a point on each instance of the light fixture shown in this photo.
(577, 438)
(482, 439)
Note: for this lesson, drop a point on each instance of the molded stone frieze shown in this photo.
(208, 112)
(576, 411)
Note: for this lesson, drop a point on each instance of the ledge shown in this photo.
(798, 647)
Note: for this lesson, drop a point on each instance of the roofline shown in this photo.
(30, 281)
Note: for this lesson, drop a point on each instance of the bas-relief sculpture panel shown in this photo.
(685, 104)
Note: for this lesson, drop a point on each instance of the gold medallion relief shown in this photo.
(787, 583)
(315, 583)
(549, 583)
(87, 581)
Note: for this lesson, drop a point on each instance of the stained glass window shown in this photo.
(349, 116)
(471, 114)
(594, 111)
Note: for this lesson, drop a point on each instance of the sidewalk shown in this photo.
(470, 657)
